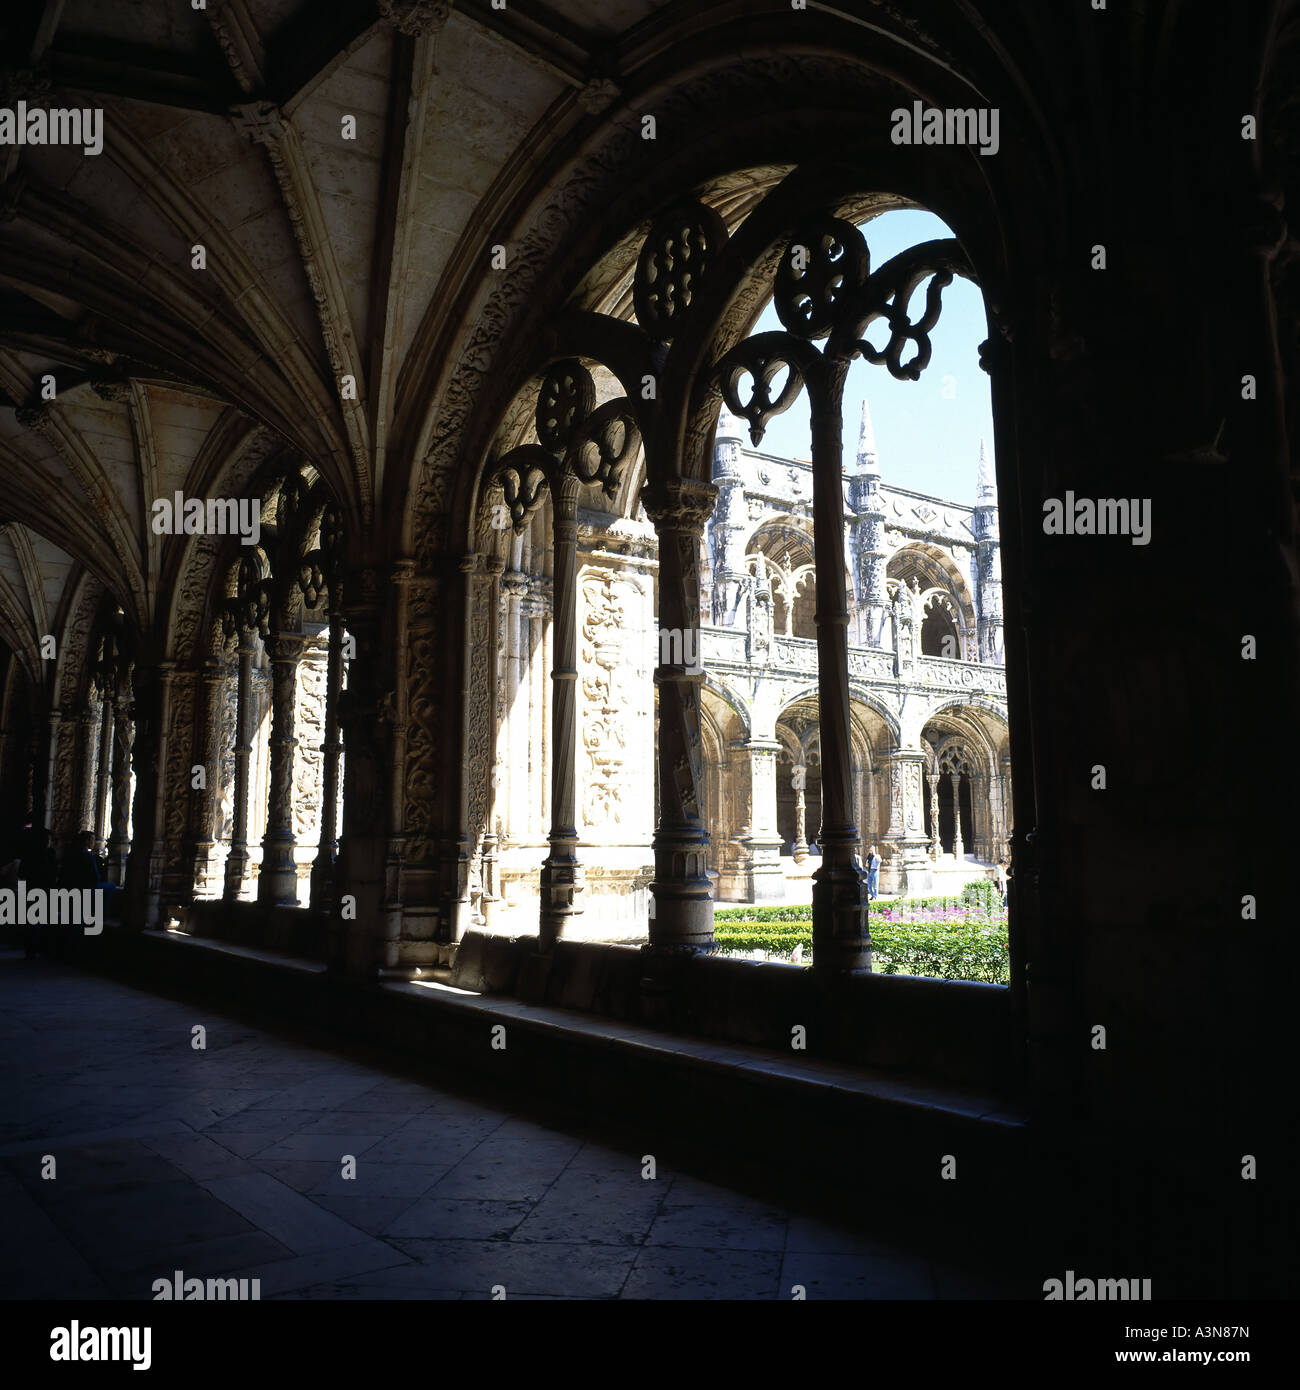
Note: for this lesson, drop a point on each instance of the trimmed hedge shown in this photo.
(974, 949)
(781, 938)
(947, 953)
(982, 895)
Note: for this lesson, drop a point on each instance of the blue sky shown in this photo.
(924, 441)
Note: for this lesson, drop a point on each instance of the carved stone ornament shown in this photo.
(415, 18)
(674, 259)
(821, 267)
(597, 95)
(608, 440)
(762, 359)
(523, 477)
(564, 402)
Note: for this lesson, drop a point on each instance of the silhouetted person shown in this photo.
(78, 870)
(36, 869)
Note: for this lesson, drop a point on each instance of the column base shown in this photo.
(917, 869)
(277, 884)
(681, 894)
(680, 922)
(204, 878)
(237, 862)
(563, 881)
(841, 935)
(765, 878)
(322, 890)
(117, 857)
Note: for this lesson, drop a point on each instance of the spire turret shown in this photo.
(867, 461)
(986, 490)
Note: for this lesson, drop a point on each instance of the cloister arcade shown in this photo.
(527, 644)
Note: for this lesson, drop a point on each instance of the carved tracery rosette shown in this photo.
(675, 257)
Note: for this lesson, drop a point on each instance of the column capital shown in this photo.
(679, 504)
(284, 646)
(566, 490)
(760, 745)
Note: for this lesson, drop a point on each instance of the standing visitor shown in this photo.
(873, 874)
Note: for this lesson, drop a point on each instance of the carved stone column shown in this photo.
(477, 703)
(988, 578)
(981, 835)
(237, 859)
(562, 880)
(1003, 844)
(259, 763)
(766, 881)
(958, 850)
(90, 719)
(729, 523)
(177, 796)
(61, 763)
(908, 769)
(423, 897)
(515, 798)
(158, 767)
(491, 887)
(366, 710)
(800, 852)
(206, 802)
(103, 777)
(841, 938)
(277, 884)
(146, 861)
(406, 676)
(123, 742)
(322, 872)
(538, 715)
(683, 917)
(310, 698)
(933, 781)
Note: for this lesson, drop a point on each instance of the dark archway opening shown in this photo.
(946, 824)
(939, 635)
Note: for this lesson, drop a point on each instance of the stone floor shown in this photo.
(228, 1161)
